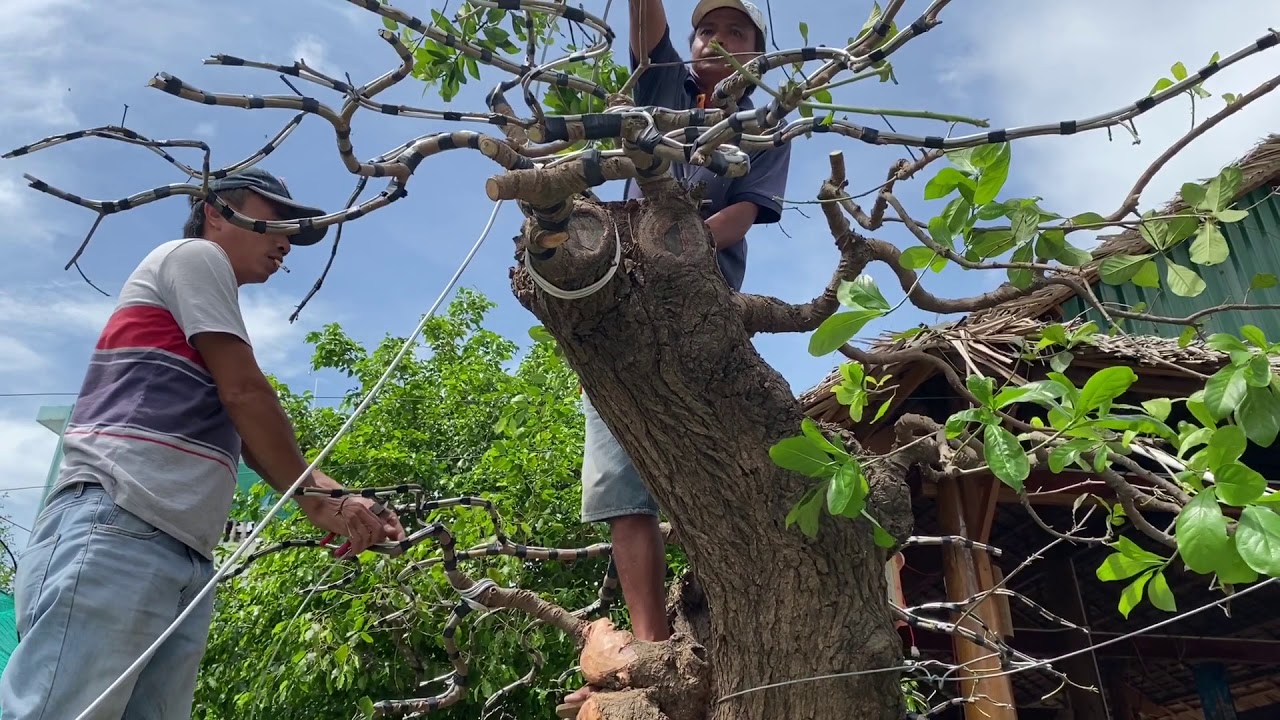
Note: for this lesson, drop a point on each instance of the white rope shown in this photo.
(287, 495)
(580, 293)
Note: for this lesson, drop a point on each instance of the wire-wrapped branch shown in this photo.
(962, 605)
(487, 57)
(548, 186)
(952, 541)
(121, 134)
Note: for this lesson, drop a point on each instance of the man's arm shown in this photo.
(648, 23)
(271, 449)
(730, 225)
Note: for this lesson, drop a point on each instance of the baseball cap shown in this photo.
(273, 188)
(705, 6)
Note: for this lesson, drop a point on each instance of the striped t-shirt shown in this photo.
(148, 423)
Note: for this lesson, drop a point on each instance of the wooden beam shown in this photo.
(1061, 596)
(961, 578)
(1215, 691)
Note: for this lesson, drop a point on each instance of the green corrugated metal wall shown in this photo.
(8, 629)
(1255, 248)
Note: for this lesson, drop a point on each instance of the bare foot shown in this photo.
(580, 695)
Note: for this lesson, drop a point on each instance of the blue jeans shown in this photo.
(95, 587)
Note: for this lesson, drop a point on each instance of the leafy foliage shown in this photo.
(1229, 526)
(456, 420)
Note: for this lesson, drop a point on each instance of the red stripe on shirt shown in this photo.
(150, 327)
(231, 469)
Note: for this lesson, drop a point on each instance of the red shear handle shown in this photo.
(377, 509)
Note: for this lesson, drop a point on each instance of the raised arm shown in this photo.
(648, 23)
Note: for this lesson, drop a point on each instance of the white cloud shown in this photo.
(17, 356)
(311, 50)
(27, 450)
(1042, 62)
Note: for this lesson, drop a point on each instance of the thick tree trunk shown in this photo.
(662, 351)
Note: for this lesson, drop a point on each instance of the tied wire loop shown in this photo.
(555, 291)
(471, 596)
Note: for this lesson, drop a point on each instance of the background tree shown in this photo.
(630, 295)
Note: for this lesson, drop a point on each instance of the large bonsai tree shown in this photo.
(787, 524)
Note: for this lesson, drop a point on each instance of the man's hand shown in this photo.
(353, 518)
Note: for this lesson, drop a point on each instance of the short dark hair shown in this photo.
(194, 227)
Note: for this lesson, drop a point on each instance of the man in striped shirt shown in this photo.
(171, 400)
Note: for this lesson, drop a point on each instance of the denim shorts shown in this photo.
(95, 586)
(611, 487)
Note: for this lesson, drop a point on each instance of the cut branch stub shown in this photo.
(643, 679)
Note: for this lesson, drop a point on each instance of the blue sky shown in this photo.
(66, 64)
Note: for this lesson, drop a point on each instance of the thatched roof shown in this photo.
(991, 341)
(997, 347)
(1259, 167)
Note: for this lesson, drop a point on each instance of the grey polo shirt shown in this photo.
(673, 86)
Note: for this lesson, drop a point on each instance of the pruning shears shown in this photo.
(377, 509)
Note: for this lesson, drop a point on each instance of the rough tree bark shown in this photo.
(663, 353)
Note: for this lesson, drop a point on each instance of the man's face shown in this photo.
(734, 32)
(255, 257)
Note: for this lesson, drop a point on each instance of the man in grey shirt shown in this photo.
(612, 491)
(172, 398)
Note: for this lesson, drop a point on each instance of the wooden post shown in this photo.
(1215, 691)
(1062, 597)
(962, 582)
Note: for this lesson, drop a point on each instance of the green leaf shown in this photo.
(1233, 570)
(806, 513)
(1021, 277)
(1226, 445)
(811, 431)
(862, 293)
(804, 32)
(1222, 189)
(1209, 247)
(1230, 215)
(1259, 414)
(882, 537)
(1179, 71)
(1023, 224)
(1237, 484)
(1188, 334)
(1040, 391)
(1119, 269)
(838, 330)
(847, 493)
(1184, 281)
(1148, 275)
(1132, 595)
(916, 257)
(800, 454)
(1255, 335)
(946, 181)
(1258, 540)
(1067, 453)
(959, 421)
(1225, 342)
(1224, 390)
(1160, 594)
(1202, 533)
(366, 706)
(1193, 194)
(994, 174)
(1258, 372)
(1005, 456)
(982, 388)
(1158, 408)
(1073, 256)
(1121, 567)
(1087, 218)
(1105, 385)
(341, 653)
(1131, 549)
(1264, 281)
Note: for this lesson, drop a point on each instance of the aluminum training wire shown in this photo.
(137, 665)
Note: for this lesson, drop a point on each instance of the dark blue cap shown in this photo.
(273, 188)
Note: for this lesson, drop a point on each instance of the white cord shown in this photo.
(580, 293)
(287, 495)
